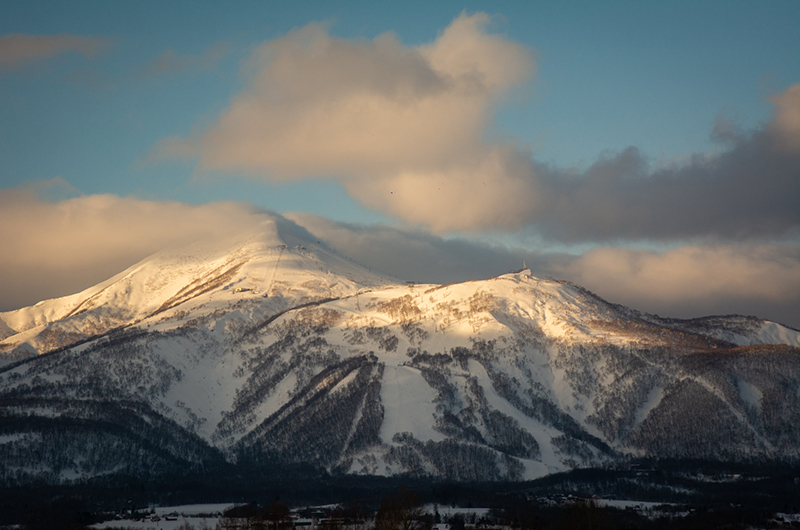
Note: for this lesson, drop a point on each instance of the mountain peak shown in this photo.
(276, 259)
(271, 347)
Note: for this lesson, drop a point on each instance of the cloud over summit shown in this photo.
(57, 248)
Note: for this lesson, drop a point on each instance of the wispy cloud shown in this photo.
(171, 62)
(18, 49)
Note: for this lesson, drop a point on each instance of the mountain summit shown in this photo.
(272, 350)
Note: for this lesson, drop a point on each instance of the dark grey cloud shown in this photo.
(750, 190)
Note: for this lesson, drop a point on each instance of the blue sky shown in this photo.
(605, 77)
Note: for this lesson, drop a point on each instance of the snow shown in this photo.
(653, 399)
(223, 287)
(200, 523)
(543, 434)
(622, 504)
(793, 518)
(198, 390)
(749, 393)
(448, 511)
(188, 513)
(191, 514)
(9, 438)
(176, 278)
(194, 509)
(742, 331)
(772, 333)
(6, 330)
(408, 405)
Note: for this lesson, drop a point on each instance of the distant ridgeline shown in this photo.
(274, 351)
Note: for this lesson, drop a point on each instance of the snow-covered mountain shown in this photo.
(272, 349)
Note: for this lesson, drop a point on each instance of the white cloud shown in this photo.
(491, 190)
(392, 123)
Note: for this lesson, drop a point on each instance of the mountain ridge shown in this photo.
(273, 350)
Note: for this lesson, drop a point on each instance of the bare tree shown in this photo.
(400, 511)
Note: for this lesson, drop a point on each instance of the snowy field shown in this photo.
(186, 514)
(198, 523)
(191, 514)
(447, 511)
(639, 506)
